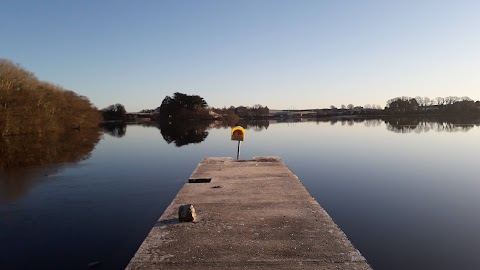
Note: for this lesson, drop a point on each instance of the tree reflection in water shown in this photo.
(184, 132)
(255, 125)
(26, 160)
(415, 124)
(437, 124)
(187, 132)
(117, 130)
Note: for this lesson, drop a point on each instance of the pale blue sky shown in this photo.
(284, 54)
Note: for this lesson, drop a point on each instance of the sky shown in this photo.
(296, 54)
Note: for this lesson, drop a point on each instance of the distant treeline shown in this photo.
(233, 114)
(439, 105)
(181, 106)
(31, 106)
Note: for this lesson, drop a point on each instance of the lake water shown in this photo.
(406, 192)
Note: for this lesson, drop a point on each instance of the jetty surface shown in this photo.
(251, 214)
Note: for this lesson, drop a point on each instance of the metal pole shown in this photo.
(238, 150)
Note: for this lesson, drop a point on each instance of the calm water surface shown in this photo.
(407, 195)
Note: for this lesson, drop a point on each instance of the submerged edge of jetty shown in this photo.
(250, 214)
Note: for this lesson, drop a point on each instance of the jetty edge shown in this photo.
(251, 214)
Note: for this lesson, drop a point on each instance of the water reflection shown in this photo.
(422, 125)
(194, 132)
(117, 130)
(369, 183)
(347, 121)
(255, 125)
(28, 160)
(413, 124)
(184, 132)
(23, 158)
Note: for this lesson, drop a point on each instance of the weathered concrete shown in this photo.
(253, 214)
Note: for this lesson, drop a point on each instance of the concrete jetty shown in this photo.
(251, 214)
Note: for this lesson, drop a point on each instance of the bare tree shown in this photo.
(451, 100)
(30, 106)
(423, 102)
(439, 101)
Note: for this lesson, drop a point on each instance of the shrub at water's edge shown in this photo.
(31, 106)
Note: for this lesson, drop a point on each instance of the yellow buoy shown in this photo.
(238, 133)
